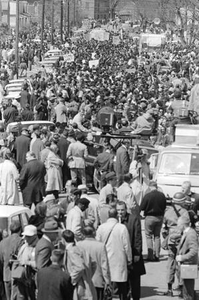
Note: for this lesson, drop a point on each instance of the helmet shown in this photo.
(179, 198)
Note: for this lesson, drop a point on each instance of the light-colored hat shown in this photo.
(82, 187)
(50, 226)
(30, 230)
(48, 198)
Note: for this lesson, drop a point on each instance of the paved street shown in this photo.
(154, 282)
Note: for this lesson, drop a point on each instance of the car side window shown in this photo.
(15, 218)
(24, 219)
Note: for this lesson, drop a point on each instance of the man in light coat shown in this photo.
(125, 193)
(108, 189)
(61, 111)
(76, 154)
(75, 218)
(98, 254)
(116, 238)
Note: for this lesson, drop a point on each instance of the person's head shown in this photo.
(109, 198)
(83, 203)
(15, 227)
(112, 213)
(121, 209)
(127, 178)
(30, 234)
(89, 231)
(126, 143)
(51, 229)
(57, 257)
(30, 155)
(54, 148)
(179, 198)
(111, 178)
(68, 236)
(83, 188)
(186, 187)
(153, 185)
(41, 209)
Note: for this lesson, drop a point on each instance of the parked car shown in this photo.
(26, 124)
(9, 213)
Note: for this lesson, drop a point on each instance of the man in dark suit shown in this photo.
(22, 145)
(53, 283)
(187, 253)
(32, 180)
(45, 246)
(63, 148)
(122, 161)
(8, 248)
(133, 224)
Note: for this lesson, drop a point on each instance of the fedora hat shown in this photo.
(50, 226)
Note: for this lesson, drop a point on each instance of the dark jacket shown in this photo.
(122, 161)
(153, 204)
(54, 284)
(133, 224)
(22, 145)
(32, 181)
(63, 148)
(43, 252)
(9, 246)
(10, 115)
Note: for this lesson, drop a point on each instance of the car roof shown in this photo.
(9, 210)
(28, 123)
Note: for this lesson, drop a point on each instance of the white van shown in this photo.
(178, 162)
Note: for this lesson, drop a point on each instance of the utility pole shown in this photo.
(68, 18)
(74, 12)
(52, 22)
(17, 39)
(42, 24)
(61, 21)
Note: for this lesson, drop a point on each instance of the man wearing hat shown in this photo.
(170, 222)
(75, 218)
(76, 154)
(22, 145)
(8, 247)
(108, 189)
(45, 245)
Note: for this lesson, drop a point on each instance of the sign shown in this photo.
(99, 35)
(69, 57)
(93, 63)
(116, 40)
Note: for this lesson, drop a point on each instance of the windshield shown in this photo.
(180, 163)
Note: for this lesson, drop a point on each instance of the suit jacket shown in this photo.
(22, 145)
(133, 224)
(122, 161)
(98, 254)
(9, 246)
(54, 284)
(188, 247)
(32, 181)
(43, 252)
(77, 152)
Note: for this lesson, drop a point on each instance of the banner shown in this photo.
(99, 35)
(93, 63)
(116, 40)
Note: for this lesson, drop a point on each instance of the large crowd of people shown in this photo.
(76, 245)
